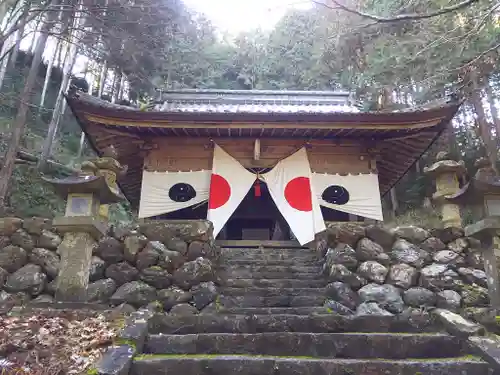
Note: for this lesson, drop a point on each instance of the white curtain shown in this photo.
(230, 183)
(289, 184)
(364, 193)
(155, 189)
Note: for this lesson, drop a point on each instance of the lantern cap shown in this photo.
(475, 190)
(86, 184)
(486, 227)
(446, 166)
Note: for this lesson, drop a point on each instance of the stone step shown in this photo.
(272, 292)
(260, 365)
(273, 262)
(269, 254)
(270, 268)
(273, 283)
(302, 310)
(271, 301)
(324, 345)
(249, 274)
(251, 252)
(321, 323)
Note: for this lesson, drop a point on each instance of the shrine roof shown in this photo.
(304, 115)
(254, 101)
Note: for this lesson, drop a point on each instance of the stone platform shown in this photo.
(274, 320)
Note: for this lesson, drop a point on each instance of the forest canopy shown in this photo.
(390, 54)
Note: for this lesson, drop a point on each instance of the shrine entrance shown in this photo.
(256, 219)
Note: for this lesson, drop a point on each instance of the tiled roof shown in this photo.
(251, 101)
(253, 108)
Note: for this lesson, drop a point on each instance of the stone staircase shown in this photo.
(271, 281)
(270, 319)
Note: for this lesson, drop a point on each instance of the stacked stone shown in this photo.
(134, 266)
(374, 270)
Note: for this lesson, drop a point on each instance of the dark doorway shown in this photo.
(329, 214)
(195, 212)
(256, 218)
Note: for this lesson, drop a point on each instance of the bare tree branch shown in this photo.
(400, 17)
(461, 67)
(481, 55)
(24, 21)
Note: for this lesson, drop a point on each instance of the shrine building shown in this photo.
(261, 165)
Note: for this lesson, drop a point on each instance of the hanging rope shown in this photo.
(256, 186)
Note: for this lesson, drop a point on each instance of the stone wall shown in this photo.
(169, 263)
(376, 270)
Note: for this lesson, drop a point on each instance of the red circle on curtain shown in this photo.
(298, 194)
(220, 192)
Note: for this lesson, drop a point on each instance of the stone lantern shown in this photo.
(446, 173)
(82, 226)
(482, 193)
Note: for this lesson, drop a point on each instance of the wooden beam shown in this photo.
(256, 150)
(234, 125)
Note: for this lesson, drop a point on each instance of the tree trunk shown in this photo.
(418, 170)
(494, 112)
(443, 142)
(113, 87)
(5, 6)
(119, 85)
(60, 58)
(385, 101)
(91, 78)
(11, 41)
(4, 62)
(34, 43)
(102, 79)
(20, 120)
(80, 147)
(17, 47)
(48, 73)
(394, 202)
(19, 36)
(60, 106)
(122, 88)
(87, 71)
(484, 127)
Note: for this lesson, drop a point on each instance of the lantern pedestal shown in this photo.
(482, 192)
(80, 236)
(95, 227)
(487, 231)
(82, 227)
(76, 256)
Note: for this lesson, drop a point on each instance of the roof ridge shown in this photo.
(330, 93)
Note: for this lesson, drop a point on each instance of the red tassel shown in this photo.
(256, 188)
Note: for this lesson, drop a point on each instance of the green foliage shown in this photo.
(30, 196)
(120, 214)
(163, 44)
(425, 218)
